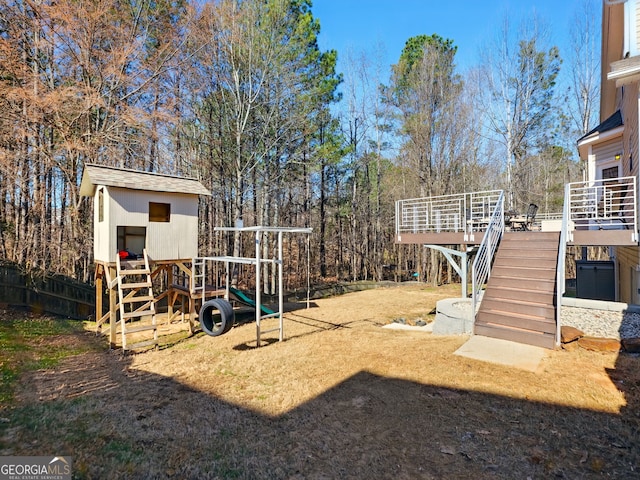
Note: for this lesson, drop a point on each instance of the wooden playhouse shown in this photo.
(144, 224)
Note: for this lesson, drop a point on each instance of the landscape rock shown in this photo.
(570, 334)
(631, 345)
(570, 346)
(600, 344)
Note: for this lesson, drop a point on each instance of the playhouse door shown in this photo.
(132, 239)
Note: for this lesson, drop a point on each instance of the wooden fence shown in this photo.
(54, 294)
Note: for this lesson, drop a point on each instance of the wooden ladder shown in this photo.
(136, 300)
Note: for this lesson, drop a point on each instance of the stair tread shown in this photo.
(144, 271)
(522, 278)
(514, 301)
(143, 298)
(546, 340)
(138, 314)
(140, 328)
(136, 285)
(509, 313)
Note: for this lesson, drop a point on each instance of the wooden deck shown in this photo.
(586, 238)
(441, 238)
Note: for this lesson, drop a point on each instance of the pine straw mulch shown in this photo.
(340, 398)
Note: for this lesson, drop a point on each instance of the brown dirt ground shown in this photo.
(341, 397)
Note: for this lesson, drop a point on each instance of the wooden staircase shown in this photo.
(519, 300)
(136, 301)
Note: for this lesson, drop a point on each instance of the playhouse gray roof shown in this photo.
(95, 175)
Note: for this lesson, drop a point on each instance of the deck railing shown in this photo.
(486, 251)
(560, 265)
(465, 212)
(608, 204)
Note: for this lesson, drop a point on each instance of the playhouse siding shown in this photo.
(177, 239)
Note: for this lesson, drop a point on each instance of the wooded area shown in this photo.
(238, 94)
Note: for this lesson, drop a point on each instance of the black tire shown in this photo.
(216, 317)
(231, 316)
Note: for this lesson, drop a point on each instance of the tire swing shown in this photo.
(216, 317)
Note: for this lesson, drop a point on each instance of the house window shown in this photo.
(611, 172)
(159, 212)
(101, 205)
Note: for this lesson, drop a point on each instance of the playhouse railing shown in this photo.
(482, 263)
(465, 212)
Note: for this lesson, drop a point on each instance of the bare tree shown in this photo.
(518, 78)
(584, 65)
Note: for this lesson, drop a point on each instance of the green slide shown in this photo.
(239, 296)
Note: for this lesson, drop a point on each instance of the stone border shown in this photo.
(600, 305)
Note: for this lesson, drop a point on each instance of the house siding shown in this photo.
(607, 150)
(628, 264)
(630, 136)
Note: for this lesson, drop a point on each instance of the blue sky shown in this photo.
(361, 24)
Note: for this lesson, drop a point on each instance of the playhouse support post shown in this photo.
(99, 287)
(169, 270)
(113, 310)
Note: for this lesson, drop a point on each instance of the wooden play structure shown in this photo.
(261, 312)
(146, 237)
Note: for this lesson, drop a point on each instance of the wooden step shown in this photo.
(124, 273)
(515, 320)
(135, 285)
(518, 306)
(531, 236)
(522, 283)
(544, 340)
(512, 251)
(533, 247)
(137, 314)
(140, 298)
(527, 262)
(140, 328)
(530, 272)
(132, 263)
(513, 293)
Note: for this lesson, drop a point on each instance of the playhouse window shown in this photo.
(159, 212)
(101, 205)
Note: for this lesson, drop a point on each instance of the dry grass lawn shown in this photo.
(341, 397)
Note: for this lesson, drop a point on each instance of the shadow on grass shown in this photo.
(125, 423)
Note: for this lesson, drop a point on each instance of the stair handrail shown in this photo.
(562, 253)
(482, 263)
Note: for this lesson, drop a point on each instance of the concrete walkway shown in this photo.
(502, 352)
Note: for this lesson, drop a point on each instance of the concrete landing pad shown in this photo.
(503, 352)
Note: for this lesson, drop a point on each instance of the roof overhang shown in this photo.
(595, 138)
(625, 71)
(609, 129)
(95, 175)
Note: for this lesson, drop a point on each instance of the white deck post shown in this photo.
(258, 280)
(280, 288)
